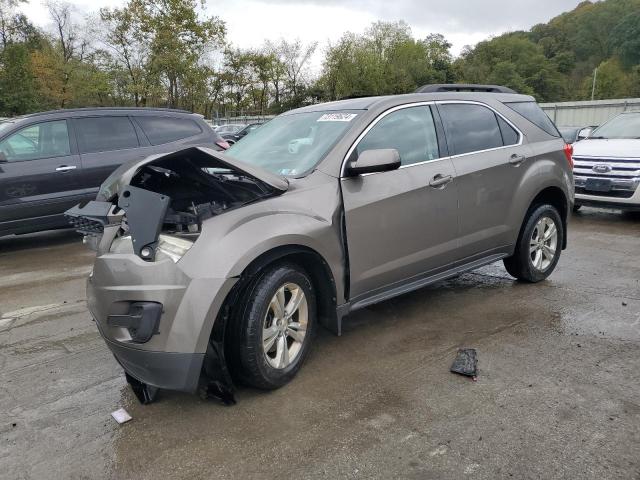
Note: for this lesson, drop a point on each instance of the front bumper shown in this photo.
(173, 356)
(167, 370)
(607, 201)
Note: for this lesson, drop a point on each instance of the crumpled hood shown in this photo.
(122, 176)
(614, 147)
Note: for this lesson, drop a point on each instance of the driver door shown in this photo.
(401, 224)
(39, 174)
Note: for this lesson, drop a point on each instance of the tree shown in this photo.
(386, 59)
(128, 49)
(611, 81)
(625, 39)
(18, 92)
(516, 62)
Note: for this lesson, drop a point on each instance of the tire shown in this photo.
(267, 368)
(534, 266)
(576, 207)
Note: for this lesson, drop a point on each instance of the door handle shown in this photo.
(440, 181)
(65, 168)
(516, 159)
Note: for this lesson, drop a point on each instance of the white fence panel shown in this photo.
(591, 112)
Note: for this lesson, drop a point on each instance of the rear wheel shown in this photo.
(275, 327)
(538, 249)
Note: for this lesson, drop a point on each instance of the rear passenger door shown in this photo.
(105, 143)
(487, 154)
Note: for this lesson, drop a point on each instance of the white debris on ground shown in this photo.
(121, 415)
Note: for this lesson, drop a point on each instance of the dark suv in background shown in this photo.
(52, 160)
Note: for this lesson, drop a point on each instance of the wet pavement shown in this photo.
(558, 392)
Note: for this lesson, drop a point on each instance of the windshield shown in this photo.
(626, 125)
(292, 145)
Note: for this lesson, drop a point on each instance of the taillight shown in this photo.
(568, 152)
(222, 144)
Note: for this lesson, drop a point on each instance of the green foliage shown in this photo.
(611, 81)
(625, 39)
(386, 59)
(555, 61)
(17, 85)
(172, 53)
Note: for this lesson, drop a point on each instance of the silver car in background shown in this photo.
(214, 268)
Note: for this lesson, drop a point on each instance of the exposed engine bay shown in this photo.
(158, 204)
(199, 187)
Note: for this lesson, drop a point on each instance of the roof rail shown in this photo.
(463, 87)
(87, 109)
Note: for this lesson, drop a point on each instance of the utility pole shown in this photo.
(593, 87)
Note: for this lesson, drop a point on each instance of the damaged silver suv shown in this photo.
(214, 268)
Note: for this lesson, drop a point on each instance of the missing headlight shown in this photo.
(173, 247)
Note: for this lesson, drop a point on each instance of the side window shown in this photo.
(42, 140)
(104, 134)
(509, 135)
(410, 130)
(161, 130)
(470, 127)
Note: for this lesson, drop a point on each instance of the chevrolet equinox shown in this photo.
(214, 268)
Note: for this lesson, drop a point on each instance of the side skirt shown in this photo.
(395, 290)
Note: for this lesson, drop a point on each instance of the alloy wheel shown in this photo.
(285, 326)
(543, 243)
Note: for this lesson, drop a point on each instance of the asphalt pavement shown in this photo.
(557, 396)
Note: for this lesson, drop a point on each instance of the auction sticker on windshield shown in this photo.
(337, 117)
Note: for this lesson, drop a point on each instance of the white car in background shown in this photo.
(607, 165)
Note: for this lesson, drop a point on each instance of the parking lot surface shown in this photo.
(558, 392)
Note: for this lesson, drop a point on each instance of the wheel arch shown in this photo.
(307, 258)
(215, 367)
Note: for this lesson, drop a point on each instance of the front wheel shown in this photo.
(275, 327)
(538, 249)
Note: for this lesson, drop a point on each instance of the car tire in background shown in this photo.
(274, 327)
(539, 245)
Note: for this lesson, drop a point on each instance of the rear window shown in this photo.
(105, 134)
(532, 112)
(161, 130)
(470, 128)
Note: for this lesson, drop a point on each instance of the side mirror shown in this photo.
(584, 133)
(371, 161)
(3, 157)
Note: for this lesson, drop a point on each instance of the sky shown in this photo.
(250, 22)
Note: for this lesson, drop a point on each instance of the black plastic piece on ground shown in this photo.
(145, 393)
(466, 363)
(142, 321)
(219, 391)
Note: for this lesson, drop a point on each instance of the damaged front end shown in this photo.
(147, 216)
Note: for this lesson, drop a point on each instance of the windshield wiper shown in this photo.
(597, 138)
